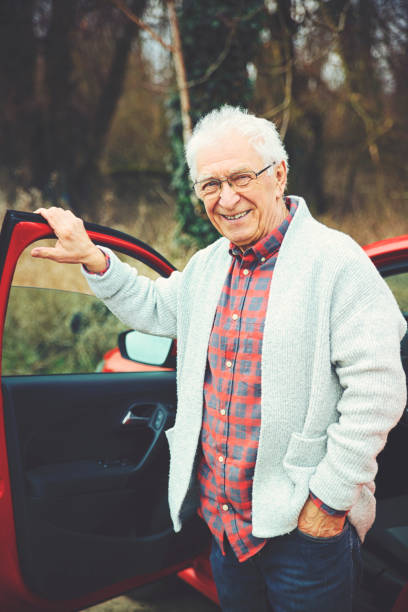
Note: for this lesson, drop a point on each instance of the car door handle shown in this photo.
(156, 422)
(132, 419)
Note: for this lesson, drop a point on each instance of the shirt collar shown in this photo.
(265, 248)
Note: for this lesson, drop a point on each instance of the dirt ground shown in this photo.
(168, 595)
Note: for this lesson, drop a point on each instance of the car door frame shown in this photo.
(20, 229)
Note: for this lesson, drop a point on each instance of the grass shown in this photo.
(399, 286)
(367, 226)
(61, 331)
(56, 332)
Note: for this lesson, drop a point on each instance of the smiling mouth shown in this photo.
(237, 216)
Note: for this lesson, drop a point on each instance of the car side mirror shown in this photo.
(144, 348)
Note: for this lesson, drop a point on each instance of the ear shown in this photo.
(281, 177)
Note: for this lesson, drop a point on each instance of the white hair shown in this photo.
(261, 133)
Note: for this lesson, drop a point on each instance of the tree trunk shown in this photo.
(17, 85)
(85, 182)
(180, 69)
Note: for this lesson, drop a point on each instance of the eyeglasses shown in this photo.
(211, 187)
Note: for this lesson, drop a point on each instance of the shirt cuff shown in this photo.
(107, 260)
(325, 508)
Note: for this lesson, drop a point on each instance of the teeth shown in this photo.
(238, 216)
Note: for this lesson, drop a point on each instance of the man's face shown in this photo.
(248, 215)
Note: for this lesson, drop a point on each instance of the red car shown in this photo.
(83, 456)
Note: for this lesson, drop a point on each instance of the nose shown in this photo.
(228, 196)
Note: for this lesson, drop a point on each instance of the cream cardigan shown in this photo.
(332, 380)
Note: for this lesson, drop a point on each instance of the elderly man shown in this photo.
(289, 373)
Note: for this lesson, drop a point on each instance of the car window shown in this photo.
(398, 284)
(53, 325)
(49, 331)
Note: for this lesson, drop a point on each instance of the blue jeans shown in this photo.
(294, 572)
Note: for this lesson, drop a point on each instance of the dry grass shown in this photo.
(365, 227)
(54, 332)
(153, 222)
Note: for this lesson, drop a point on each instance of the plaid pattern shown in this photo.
(325, 508)
(232, 395)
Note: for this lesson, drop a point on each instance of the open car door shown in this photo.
(83, 489)
(385, 551)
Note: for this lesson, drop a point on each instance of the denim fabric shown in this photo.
(292, 573)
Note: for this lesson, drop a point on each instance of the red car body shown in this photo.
(20, 230)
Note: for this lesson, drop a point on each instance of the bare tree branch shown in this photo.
(327, 22)
(287, 69)
(215, 65)
(234, 20)
(177, 53)
(130, 15)
(275, 70)
(374, 130)
(288, 99)
(279, 108)
(284, 106)
(232, 25)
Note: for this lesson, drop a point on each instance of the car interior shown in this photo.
(90, 487)
(87, 452)
(385, 552)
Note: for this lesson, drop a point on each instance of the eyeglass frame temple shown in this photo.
(264, 169)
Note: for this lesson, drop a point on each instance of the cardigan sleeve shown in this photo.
(366, 331)
(143, 304)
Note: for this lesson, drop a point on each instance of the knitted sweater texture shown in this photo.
(332, 380)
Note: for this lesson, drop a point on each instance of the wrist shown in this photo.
(324, 507)
(96, 262)
(314, 521)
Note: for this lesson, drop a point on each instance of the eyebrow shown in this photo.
(210, 176)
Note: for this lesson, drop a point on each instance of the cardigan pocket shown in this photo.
(303, 456)
(300, 461)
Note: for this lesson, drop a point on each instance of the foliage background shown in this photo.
(90, 116)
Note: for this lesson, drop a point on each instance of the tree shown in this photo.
(219, 40)
(332, 66)
(61, 91)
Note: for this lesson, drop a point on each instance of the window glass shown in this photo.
(53, 325)
(398, 284)
(49, 331)
(34, 272)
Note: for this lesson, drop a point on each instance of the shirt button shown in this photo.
(228, 364)
(221, 459)
(224, 507)
(235, 316)
(223, 412)
(245, 272)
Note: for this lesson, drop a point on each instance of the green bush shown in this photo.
(55, 332)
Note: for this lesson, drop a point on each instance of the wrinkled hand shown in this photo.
(73, 243)
(313, 521)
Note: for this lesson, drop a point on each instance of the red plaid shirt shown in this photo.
(232, 395)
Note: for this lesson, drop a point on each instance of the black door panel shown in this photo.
(89, 510)
(83, 490)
